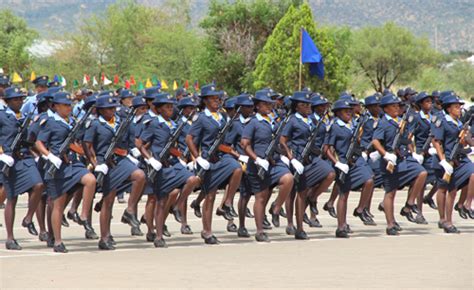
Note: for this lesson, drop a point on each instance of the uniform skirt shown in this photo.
(405, 172)
(378, 178)
(218, 174)
(118, 175)
(22, 177)
(358, 174)
(460, 176)
(65, 179)
(245, 188)
(170, 178)
(428, 165)
(270, 179)
(314, 173)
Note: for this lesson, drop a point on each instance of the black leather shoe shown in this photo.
(50, 242)
(380, 207)
(243, 233)
(224, 212)
(368, 213)
(64, 222)
(408, 215)
(290, 230)
(160, 243)
(166, 233)
(103, 245)
(177, 215)
(392, 231)
(43, 236)
(197, 209)
(211, 240)
(315, 223)
(232, 228)
(441, 225)
(143, 220)
(313, 206)
(301, 235)
(306, 219)
(413, 208)
(74, 216)
(430, 202)
(266, 224)
(420, 219)
(330, 209)
(233, 213)
(342, 233)
(397, 227)
(130, 219)
(282, 213)
(248, 213)
(61, 248)
(186, 230)
(31, 227)
(91, 235)
(461, 211)
(275, 217)
(85, 223)
(150, 237)
(367, 220)
(135, 231)
(98, 206)
(111, 240)
(451, 230)
(470, 213)
(12, 245)
(348, 229)
(262, 237)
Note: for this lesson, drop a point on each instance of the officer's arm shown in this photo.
(41, 148)
(286, 149)
(245, 144)
(143, 147)
(90, 153)
(331, 154)
(378, 146)
(192, 147)
(439, 149)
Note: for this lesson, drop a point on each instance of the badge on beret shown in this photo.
(44, 77)
(16, 90)
(213, 88)
(111, 100)
(268, 94)
(69, 97)
(111, 94)
(438, 123)
(169, 97)
(143, 100)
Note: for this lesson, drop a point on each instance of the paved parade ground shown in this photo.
(422, 257)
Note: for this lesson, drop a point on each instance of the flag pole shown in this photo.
(300, 64)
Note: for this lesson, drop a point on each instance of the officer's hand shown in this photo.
(203, 163)
(262, 163)
(135, 152)
(343, 167)
(181, 161)
(364, 155)
(55, 160)
(191, 166)
(418, 157)
(285, 160)
(374, 156)
(133, 159)
(102, 168)
(155, 163)
(390, 157)
(298, 166)
(7, 159)
(448, 168)
(244, 159)
(432, 151)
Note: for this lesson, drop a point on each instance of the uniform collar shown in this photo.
(60, 119)
(137, 118)
(50, 113)
(317, 117)
(306, 120)
(10, 111)
(117, 121)
(390, 118)
(244, 120)
(152, 114)
(171, 124)
(344, 124)
(261, 118)
(455, 122)
(210, 114)
(423, 116)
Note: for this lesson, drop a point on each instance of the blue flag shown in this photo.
(310, 54)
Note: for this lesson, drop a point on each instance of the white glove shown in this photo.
(448, 168)
(181, 161)
(155, 163)
(244, 159)
(364, 155)
(472, 151)
(37, 158)
(418, 157)
(55, 160)
(103, 168)
(390, 157)
(133, 159)
(7, 159)
(298, 166)
(191, 166)
(262, 163)
(203, 163)
(343, 167)
(135, 152)
(285, 160)
(374, 156)
(432, 151)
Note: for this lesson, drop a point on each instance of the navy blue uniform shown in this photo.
(421, 128)
(366, 143)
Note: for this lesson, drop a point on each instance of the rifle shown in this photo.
(69, 139)
(397, 140)
(219, 139)
(15, 146)
(427, 144)
(117, 137)
(452, 158)
(309, 146)
(165, 153)
(274, 143)
(354, 149)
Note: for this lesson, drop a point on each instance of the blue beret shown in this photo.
(244, 100)
(230, 103)
(106, 101)
(372, 100)
(163, 98)
(138, 102)
(188, 101)
(349, 99)
(264, 95)
(41, 81)
(150, 92)
(452, 99)
(389, 99)
(4, 80)
(13, 92)
(303, 96)
(126, 94)
(89, 101)
(341, 104)
(318, 100)
(62, 98)
(210, 90)
(421, 96)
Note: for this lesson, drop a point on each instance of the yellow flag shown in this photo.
(175, 85)
(164, 85)
(148, 83)
(16, 78)
(33, 76)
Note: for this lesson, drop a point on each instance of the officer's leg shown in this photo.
(41, 214)
(207, 213)
(300, 208)
(242, 207)
(233, 185)
(76, 200)
(2, 195)
(290, 206)
(150, 212)
(285, 186)
(33, 200)
(10, 216)
(161, 212)
(188, 187)
(138, 182)
(417, 187)
(89, 183)
(470, 193)
(388, 204)
(261, 199)
(57, 215)
(450, 199)
(342, 210)
(105, 215)
(441, 201)
(365, 195)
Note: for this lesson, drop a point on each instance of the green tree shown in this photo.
(390, 54)
(277, 65)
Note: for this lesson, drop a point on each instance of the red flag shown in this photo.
(127, 84)
(132, 81)
(102, 77)
(196, 86)
(88, 77)
(116, 79)
(186, 84)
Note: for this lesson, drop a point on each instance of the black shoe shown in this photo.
(197, 209)
(413, 208)
(160, 243)
(74, 216)
(301, 235)
(290, 230)
(461, 211)
(313, 206)
(392, 231)
(408, 215)
(243, 233)
(282, 213)
(2, 205)
(451, 230)
(420, 219)
(470, 213)
(105, 245)
(176, 214)
(166, 233)
(248, 213)
(306, 219)
(130, 219)
(85, 223)
(150, 237)
(135, 231)
(91, 235)
(441, 225)
(330, 209)
(266, 224)
(50, 242)
(348, 229)
(397, 227)
(98, 206)
(233, 213)
(120, 199)
(143, 220)
(31, 227)
(212, 240)
(224, 212)
(368, 213)
(367, 220)
(232, 228)
(61, 248)
(43, 236)
(342, 233)
(380, 207)
(275, 217)
(12, 245)
(262, 237)
(429, 201)
(186, 230)
(111, 240)
(315, 223)
(64, 222)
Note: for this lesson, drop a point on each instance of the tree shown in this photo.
(277, 65)
(390, 54)
(15, 38)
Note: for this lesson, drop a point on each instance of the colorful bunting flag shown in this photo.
(186, 84)
(175, 85)
(33, 76)
(127, 84)
(148, 83)
(140, 86)
(132, 81)
(164, 85)
(16, 78)
(94, 82)
(116, 80)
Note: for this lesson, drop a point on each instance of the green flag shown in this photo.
(75, 84)
(155, 80)
(140, 86)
